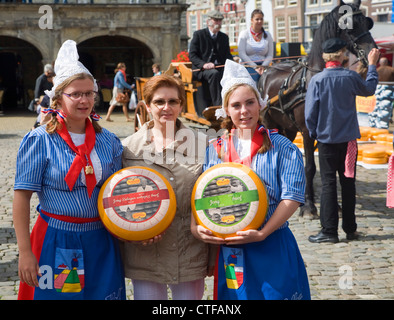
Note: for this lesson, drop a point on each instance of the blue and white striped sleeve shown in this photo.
(118, 150)
(292, 173)
(30, 163)
(211, 157)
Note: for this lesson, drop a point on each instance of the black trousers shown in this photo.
(332, 160)
(213, 77)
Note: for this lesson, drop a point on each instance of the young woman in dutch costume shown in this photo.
(69, 254)
(267, 261)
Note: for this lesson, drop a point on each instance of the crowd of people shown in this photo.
(68, 158)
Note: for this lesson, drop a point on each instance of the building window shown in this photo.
(293, 23)
(231, 33)
(266, 26)
(313, 2)
(280, 29)
(279, 3)
(292, 2)
(203, 22)
(383, 17)
(192, 24)
(242, 25)
(259, 5)
(225, 26)
(313, 22)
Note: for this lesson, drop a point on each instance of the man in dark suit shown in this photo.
(210, 48)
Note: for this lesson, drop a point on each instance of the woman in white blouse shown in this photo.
(255, 46)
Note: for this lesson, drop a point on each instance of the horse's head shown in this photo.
(353, 27)
(347, 22)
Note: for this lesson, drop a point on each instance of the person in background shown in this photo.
(255, 46)
(385, 72)
(120, 85)
(44, 82)
(209, 50)
(69, 254)
(331, 118)
(156, 69)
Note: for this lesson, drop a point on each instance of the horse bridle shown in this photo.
(361, 56)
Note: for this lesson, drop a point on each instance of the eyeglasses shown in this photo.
(78, 95)
(160, 103)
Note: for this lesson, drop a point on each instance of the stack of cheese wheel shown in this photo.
(360, 149)
(375, 154)
(229, 197)
(365, 133)
(385, 139)
(136, 203)
(376, 133)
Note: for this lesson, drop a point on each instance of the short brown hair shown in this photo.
(160, 81)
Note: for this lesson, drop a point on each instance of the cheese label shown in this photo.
(228, 198)
(136, 203)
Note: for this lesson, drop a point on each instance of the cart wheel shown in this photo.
(141, 115)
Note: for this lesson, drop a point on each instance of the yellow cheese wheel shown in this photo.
(383, 137)
(229, 197)
(136, 203)
(361, 148)
(376, 151)
(377, 131)
(365, 133)
(382, 160)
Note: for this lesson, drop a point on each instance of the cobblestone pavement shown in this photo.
(360, 269)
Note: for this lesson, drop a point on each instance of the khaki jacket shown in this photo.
(178, 257)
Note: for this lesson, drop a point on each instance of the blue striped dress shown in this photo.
(70, 248)
(273, 268)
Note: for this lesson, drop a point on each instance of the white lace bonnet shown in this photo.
(67, 65)
(235, 73)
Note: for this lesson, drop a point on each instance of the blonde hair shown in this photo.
(333, 56)
(119, 66)
(228, 124)
(53, 125)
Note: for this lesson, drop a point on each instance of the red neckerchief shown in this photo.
(333, 64)
(255, 35)
(124, 74)
(232, 155)
(82, 157)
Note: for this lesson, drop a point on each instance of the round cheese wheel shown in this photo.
(136, 203)
(377, 131)
(364, 131)
(375, 152)
(229, 197)
(382, 160)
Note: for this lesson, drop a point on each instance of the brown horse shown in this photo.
(286, 83)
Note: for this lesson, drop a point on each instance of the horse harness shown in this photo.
(281, 102)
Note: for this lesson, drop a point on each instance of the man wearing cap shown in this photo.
(331, 118)
(210, 48)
